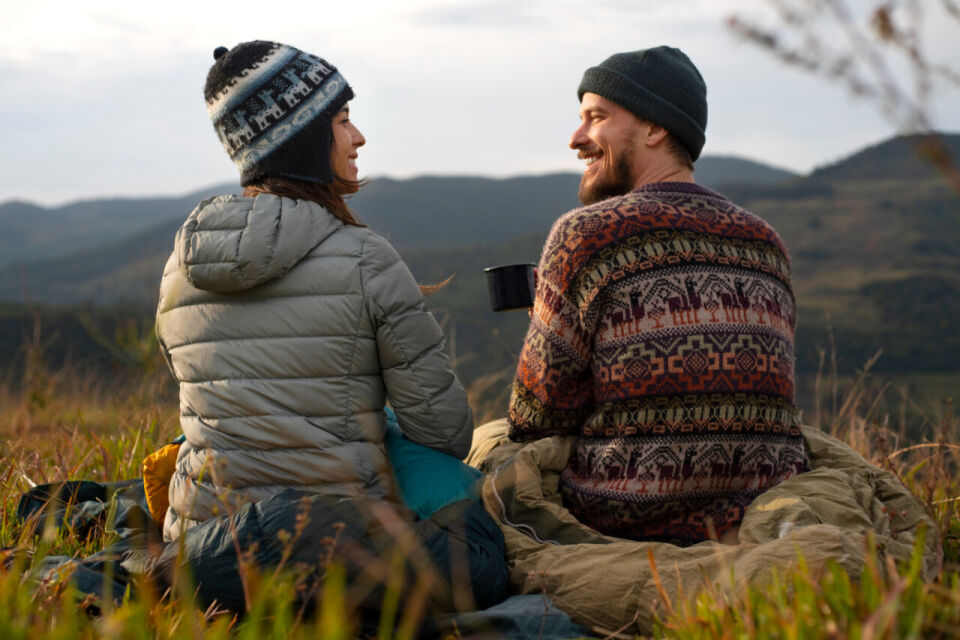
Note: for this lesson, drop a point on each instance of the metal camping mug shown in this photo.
(511, 286)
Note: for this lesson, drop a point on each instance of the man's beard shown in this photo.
(615, 182)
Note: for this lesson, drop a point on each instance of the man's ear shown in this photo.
(655, 134)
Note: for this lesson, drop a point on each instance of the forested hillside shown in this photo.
(875, 242)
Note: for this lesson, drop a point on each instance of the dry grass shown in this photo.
(72, 424)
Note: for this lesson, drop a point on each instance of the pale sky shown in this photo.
(104, 97)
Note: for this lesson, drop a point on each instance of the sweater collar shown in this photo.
(676, 187)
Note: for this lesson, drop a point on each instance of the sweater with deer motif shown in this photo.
(662, 335)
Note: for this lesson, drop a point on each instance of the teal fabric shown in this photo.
(428, 479)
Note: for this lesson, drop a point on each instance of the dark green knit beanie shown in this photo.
(660, 85)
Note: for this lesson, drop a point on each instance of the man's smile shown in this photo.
(590, 157)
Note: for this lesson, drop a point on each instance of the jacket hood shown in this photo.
(233, 243)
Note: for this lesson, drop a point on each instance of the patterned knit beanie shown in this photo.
(272, 106)
(660, 85)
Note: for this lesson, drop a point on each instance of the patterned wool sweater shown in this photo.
(662, 334)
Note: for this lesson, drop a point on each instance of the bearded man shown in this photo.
(662, 329)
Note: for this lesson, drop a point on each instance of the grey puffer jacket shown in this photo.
(288, 331)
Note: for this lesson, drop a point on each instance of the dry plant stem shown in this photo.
(486, 409)
(38, 467)
(540, 578)
(30, 483)
(618, 633)
(818, 390)
(460, 585)
(244, 557)
(883, 618)
(888, 86)
(136, 444)
(939, 470)
(61, 467)
(103, 452)
(81, 463)
(834, 375)
(925, 445)
(330, 546)
(4, 481)
(664, 596)
(452, 343)
(876, 401)
(858, 60)
(952, 8)
(427, 581)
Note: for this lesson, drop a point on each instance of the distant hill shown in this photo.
(29, 232)
(880, 255)
(717, 171)
(108, 250)
(434, 211)
(443, 211)
(876, 266)
(897, 158)
(126, 270)
(424, 211)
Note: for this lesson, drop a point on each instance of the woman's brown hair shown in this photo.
(322, 194)
(326, 197)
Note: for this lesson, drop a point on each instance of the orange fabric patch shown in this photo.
(158, 468)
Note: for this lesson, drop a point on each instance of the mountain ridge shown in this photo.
(417, 214)
(30, 233)
(876, 261)
(898, 157)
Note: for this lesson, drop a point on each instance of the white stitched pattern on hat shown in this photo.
(280, 133)
(298, 88)
(249, 81)
(241, 135)
(318, 70)
(310, 68)
(270, 110)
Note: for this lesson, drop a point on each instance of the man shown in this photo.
(662, 331)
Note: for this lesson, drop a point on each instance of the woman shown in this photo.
(286, 322)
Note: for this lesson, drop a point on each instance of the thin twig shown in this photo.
(664, 596)
(619, 632)
(925, 445)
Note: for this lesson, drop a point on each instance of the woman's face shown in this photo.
(346, 140)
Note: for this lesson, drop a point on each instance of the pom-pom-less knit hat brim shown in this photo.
(660, 85)
(272, 106)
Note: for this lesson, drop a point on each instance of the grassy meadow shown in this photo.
(77, 423)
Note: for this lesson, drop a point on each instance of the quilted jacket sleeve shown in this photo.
(168, 270)
(430, 403)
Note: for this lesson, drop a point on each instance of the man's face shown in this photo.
(607, 139)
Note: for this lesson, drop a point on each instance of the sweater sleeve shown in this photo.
(428, 399)
(553, 390)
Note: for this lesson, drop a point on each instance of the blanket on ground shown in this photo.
(459, 550)
(607, 583)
